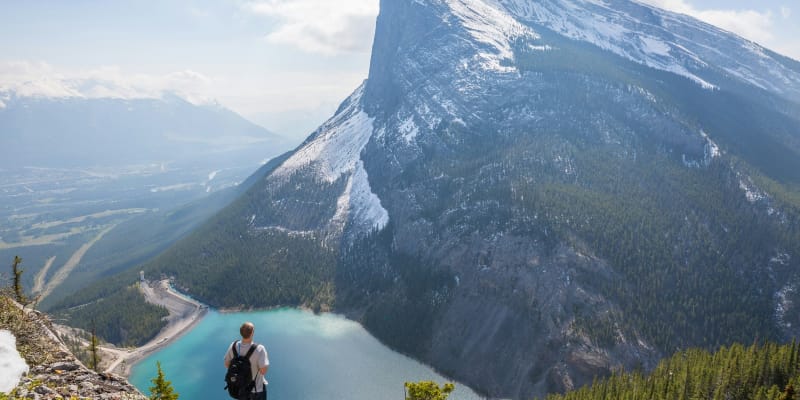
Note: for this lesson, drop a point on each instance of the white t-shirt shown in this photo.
(259, 359)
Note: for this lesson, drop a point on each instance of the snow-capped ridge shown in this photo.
(335, 151)
(493, 26)
(336, 146)
(661, 39)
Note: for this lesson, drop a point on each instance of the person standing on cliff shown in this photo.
(259, 360)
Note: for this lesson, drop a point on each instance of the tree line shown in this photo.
(758, 372)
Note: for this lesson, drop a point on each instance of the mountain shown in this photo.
(528, 194)
(72, 132)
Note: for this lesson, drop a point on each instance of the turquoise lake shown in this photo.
(325, 357)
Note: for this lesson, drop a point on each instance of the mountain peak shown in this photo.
(659, 39)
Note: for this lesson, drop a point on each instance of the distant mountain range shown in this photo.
(84, 132)
(527, 194)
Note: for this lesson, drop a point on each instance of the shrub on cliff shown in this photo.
(428, 390)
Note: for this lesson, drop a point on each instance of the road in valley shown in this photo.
(38, 281)
(63, 272)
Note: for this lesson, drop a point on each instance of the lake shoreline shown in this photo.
(184, 315)
(140, 354)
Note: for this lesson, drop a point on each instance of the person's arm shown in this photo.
(228, 357)
(263, 361)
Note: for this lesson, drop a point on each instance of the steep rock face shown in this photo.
(527, 194)
(453, 81)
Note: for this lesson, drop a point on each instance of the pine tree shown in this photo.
(788, 393)
(18, 293)
(162, 388)
(95, 360)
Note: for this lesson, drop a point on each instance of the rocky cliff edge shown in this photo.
(54, 372)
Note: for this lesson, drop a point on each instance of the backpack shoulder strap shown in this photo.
(233, 347)
(252, 349)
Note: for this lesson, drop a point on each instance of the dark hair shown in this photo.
(247, 330)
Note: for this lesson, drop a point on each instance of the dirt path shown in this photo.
(38, 281)
(73, 262)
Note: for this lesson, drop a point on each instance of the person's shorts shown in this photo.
(259, 395)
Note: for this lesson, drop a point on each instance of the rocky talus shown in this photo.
(54, 372)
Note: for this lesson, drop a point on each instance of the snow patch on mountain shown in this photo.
(711, 148)
(409, 129)
(430, 118)
(545, 47)
(751, 191)
(285, 231)
(655, 47)
(783, 304)
(335, 150)
(643, 92)
(781, 258)
(492, 25)
(710, 152)
(336, 146)
(12, 366)
(359, 204)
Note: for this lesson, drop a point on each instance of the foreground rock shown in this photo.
(55, 373)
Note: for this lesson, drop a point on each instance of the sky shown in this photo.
(283, 64)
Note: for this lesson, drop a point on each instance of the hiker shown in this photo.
(241, 353)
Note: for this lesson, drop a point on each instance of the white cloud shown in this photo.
(791, 49)
(786, 12)
(38, 79)
(320, 26)
(199, 12)
(750, 24)
(304, 98)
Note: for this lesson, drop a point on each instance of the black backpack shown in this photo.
(239, 378)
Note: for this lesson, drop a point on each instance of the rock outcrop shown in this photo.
(55, 373)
